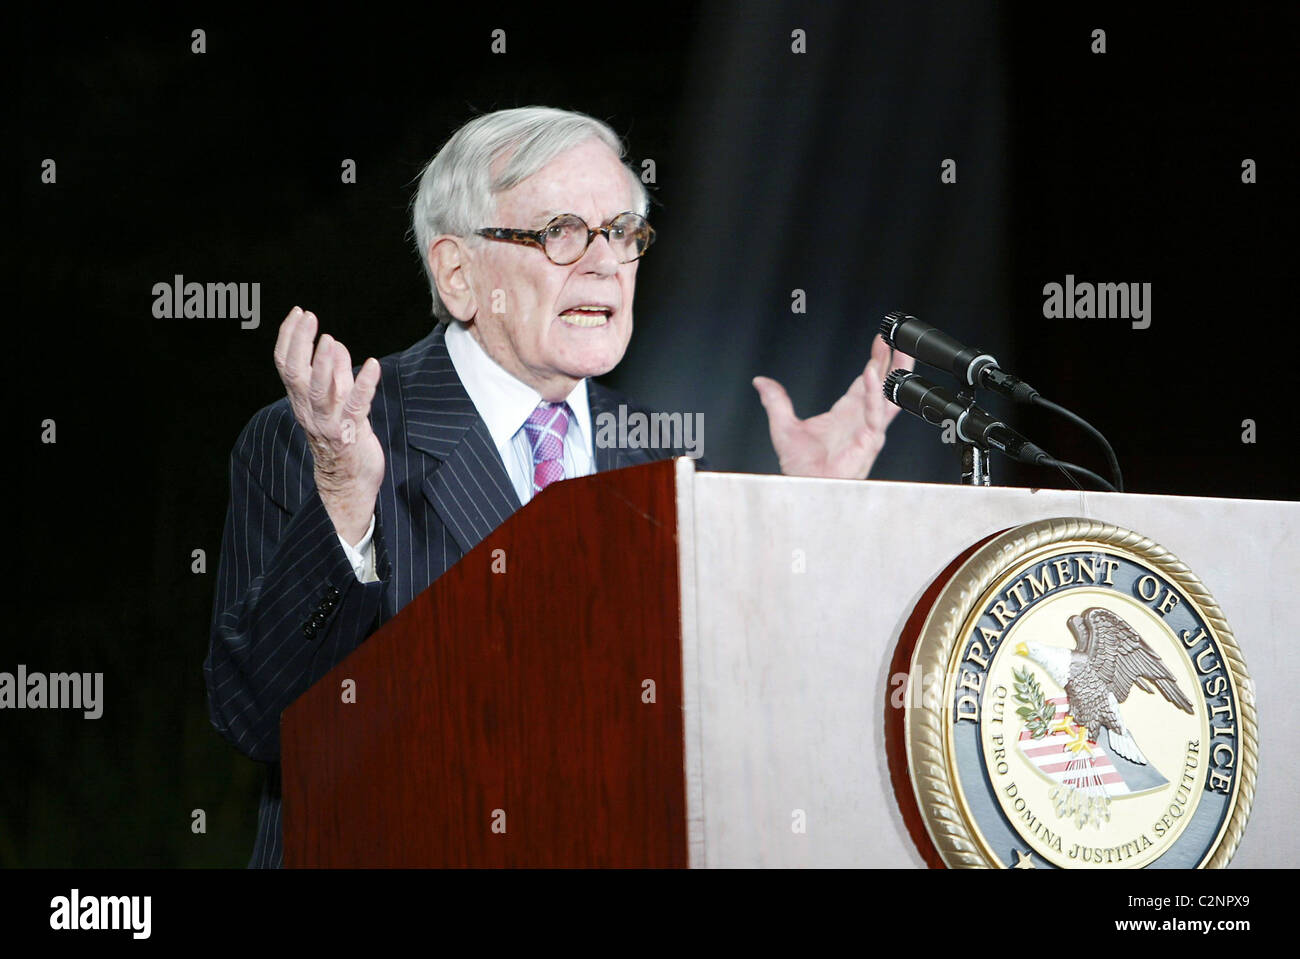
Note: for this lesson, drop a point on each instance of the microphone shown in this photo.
(922, 398)
(933, 347)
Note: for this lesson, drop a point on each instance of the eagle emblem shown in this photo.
(1064, 739)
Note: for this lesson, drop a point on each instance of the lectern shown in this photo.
(659, 667)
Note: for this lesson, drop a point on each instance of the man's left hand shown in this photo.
(843, 442)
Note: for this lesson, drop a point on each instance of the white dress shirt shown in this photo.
(505, 403)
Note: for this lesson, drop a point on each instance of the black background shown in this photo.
(775, 171)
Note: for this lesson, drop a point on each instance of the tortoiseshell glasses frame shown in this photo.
(627, 233)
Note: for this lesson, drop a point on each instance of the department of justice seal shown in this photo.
(1075, 699)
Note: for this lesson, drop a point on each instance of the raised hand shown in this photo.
(334, 412)
(843, 442)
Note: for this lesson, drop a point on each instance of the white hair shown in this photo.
(457, 192)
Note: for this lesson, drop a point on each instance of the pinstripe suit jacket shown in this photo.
(288, 606)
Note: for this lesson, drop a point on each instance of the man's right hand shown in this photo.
(334, 411)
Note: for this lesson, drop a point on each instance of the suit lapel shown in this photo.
(470, 490)
(601, 400)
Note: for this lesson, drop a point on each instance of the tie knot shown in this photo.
(546, 427)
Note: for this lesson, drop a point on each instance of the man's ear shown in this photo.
(451, 266)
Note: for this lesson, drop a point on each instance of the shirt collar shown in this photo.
(503, 401)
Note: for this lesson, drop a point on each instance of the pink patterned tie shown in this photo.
(546, 427)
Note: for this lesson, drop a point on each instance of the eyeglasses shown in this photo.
(565, 239)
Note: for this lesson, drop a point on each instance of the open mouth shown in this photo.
(586, 316)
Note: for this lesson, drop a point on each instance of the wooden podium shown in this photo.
(659, 667)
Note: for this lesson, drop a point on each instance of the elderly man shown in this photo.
(354, 492)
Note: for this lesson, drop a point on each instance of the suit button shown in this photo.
(328, 603)
(318, 617)
(309, 631)
(333, 592)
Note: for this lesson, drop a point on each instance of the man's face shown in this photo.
(538, 336)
